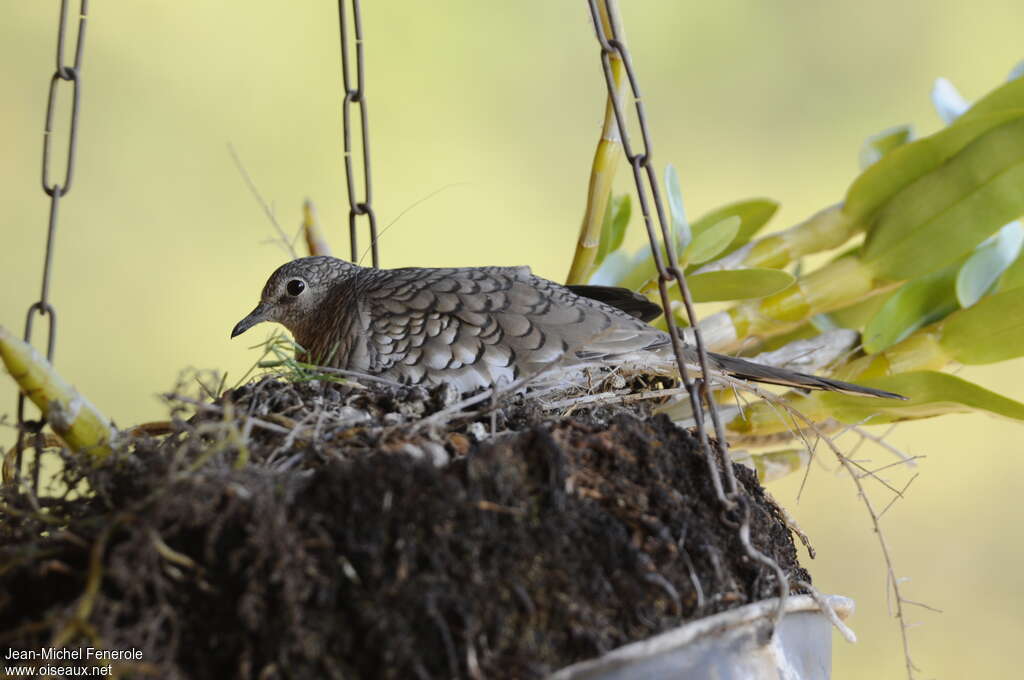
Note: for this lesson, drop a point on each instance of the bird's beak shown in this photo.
(255, 316)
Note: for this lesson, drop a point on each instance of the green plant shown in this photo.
(926, 272)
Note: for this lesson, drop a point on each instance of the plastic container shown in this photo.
(733, 645)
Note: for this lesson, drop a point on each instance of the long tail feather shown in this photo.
(748, 370)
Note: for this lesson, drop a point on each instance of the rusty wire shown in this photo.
(55, 191)
(356, 97)
(735, 503)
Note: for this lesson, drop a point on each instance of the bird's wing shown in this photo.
(629, 301)
(483, 326)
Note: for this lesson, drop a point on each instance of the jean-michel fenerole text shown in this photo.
(67, 654)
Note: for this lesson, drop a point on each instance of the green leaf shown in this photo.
(1007, 97)
(987, 263)
(1017, 71)
(707, 245)
(853, 317)
(612, 270)
(801, 332)
(710, 242)
(823, 323)
(930, 394)
(622, 209)
(1013, 277)
(914, 305)
(946, 213)
(753, 213)
(877, 146)
(773, 465)
(990, 331)
(613, 227)
(736, 284)
(857, 315)
(680, 227)
(905, 164)
(641, 270)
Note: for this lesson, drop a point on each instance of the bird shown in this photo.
(474, 327)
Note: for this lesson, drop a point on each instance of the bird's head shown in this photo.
(297, 293)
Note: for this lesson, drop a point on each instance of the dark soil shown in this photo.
(379, 547)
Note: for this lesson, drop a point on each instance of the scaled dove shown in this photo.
(478, 326)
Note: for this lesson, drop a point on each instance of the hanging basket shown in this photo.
(733, 645)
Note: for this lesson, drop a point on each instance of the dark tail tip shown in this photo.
(748, 370)
(853, 388)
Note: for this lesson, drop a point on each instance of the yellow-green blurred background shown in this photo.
(160, 245)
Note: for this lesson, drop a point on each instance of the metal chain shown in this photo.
(646, 179)
(56, 191)
(356, 97)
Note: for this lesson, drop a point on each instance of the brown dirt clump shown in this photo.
(298, 530)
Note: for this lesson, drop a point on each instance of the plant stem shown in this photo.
(602, 172)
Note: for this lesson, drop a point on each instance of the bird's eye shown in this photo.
(295, 287)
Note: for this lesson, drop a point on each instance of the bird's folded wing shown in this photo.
(482, 326)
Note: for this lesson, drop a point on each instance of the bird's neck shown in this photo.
(330, 336)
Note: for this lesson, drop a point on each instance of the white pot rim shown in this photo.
(713, 625)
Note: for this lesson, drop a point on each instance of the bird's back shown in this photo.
(482, 326)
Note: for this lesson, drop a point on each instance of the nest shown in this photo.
(321, 529)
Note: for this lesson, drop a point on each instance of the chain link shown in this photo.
(355, 97)
(56, 191)
(646, 180)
